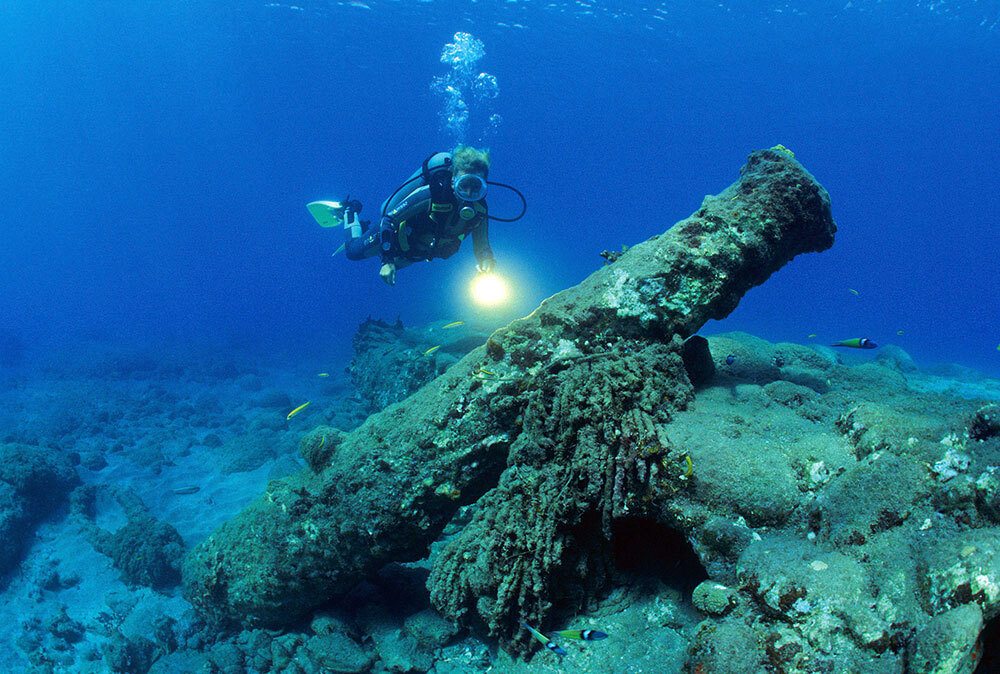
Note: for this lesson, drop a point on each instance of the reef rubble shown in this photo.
(555, 426)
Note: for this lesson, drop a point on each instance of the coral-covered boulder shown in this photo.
(33, 483)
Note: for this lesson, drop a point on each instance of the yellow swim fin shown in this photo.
(327, 213)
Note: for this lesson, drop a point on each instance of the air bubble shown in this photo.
(461, 84)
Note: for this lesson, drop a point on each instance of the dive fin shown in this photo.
(327, 213)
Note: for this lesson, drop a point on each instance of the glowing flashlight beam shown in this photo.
(489, 289)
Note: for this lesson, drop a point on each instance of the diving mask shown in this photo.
(469, 187)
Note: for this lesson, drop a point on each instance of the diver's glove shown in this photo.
(486, 266)
(388, 273)
(350, 210)
(352, 223)
(352, 206)
(345, 207)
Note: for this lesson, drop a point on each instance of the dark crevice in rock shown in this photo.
(989, 648)
(644, 546)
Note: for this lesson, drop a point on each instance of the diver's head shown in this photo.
(469, 168)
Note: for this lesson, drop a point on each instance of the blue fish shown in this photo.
(730, 359)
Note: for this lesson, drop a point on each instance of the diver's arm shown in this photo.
(481, 242)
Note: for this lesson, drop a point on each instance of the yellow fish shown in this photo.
(453, 324)
(432, 350)
(298, 409)
(852, 290)
(899, 332)
(812, 335)
(492, 374)
(323, 374)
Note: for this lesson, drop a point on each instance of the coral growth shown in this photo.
(592, 448)
(33, 482)
(145, 550)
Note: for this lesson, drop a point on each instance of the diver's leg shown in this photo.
(359, 245)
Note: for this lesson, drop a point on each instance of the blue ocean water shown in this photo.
(157, 158)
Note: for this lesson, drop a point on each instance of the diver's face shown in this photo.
(470, 186)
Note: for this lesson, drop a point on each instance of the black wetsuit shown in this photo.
(425, 221)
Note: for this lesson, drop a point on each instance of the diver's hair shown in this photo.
(466, 159)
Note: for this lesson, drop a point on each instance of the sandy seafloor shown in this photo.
(148, 419)
(158, 422)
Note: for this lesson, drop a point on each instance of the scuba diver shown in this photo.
(427, 217)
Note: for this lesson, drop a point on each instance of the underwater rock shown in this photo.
(713, 598)
(128, 655)
(731, 647)
(873, 496)
(739, 356)
(892, 356)
(869, 549)
(988, 494)
(61, 626)
(33, 483)
(788, 394)
(336, 652)
(212, 440)
(565, 433)
(226, 658)
(94, 461)
(247, 452)
(398, 651)
(284, 466)
(899, 428)
(825, 598)
(429, 629)
(386, 368)
(272, 399)
(48, 578)
(391, 362)
(948, 643)
(145, 550)
(328, 649)
(317, 446)
(985, 423)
